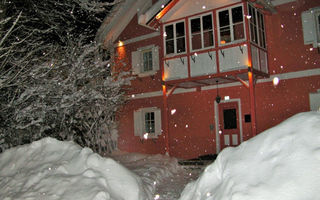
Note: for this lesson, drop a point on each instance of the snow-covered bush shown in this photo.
(54, 79)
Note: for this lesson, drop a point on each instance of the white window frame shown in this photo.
(139, 123)
(231, 25)
(310, 26)
(262, 29)
(175, 38)
(201, 32)
(138, 62)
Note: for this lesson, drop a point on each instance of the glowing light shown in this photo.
(223, 42)
(311, 49)
(187, 126)
(204, 7)
(208, 194)
(195, 54)
(220, 132)
(173, 111)
(162, 6)
(157, 197)
(282, 25)
(275, 81)
(108, 65)
(133, 96)
(120, 44)
(145, 136)
(248, 16)
(226, 98)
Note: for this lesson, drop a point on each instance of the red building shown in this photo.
(212, 73)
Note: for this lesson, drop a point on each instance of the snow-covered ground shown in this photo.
(49, 169)
(282, 163)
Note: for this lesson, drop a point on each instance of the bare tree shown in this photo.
(54, 78)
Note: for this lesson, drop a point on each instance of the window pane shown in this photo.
(207, 22)
(238, 31)
(195, 25)
(237, 15)
(208, 39)
(224, 18)
(250, 10)
(149, 122)
(169, 32)
(319, 22)
(169, 46)
(259, 19)
(180, 29)
(252, 34)
(230, 118)
(147, 61)
(225, 35)
(196, 41)
(181, 45)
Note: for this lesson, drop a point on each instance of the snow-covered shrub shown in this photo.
(54, 79)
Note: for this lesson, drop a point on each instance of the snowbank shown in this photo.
(282, 163)
(50, 169)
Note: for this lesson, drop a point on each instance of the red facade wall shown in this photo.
(286, 50)
(189, 127)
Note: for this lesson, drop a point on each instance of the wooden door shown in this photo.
(229, 130)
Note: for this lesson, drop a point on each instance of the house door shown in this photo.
(229, 130)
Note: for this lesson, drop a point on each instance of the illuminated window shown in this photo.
(175, 38)
(201, 32)
(231, 26)
(257, 30)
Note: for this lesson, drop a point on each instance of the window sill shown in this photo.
(231, 43)
(175, 54)
(149, 73)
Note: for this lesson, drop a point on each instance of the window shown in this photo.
(311, 26)
(231, 26)
(175, 38)
(201, 32)
(257, 30)
(147, 122)
(145, 61)
(230, 118)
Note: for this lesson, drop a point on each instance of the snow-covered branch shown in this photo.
(53, 77)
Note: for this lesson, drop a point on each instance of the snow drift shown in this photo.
(282, 163)
(50, 169)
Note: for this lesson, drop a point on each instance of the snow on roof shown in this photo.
(51, 169)
(119, 18)
(152, 11)
(281, 163)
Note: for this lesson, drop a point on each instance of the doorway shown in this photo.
(228, 123)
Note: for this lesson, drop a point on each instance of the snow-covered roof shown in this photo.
(152, 11)
(119, 17)
(123, 12)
